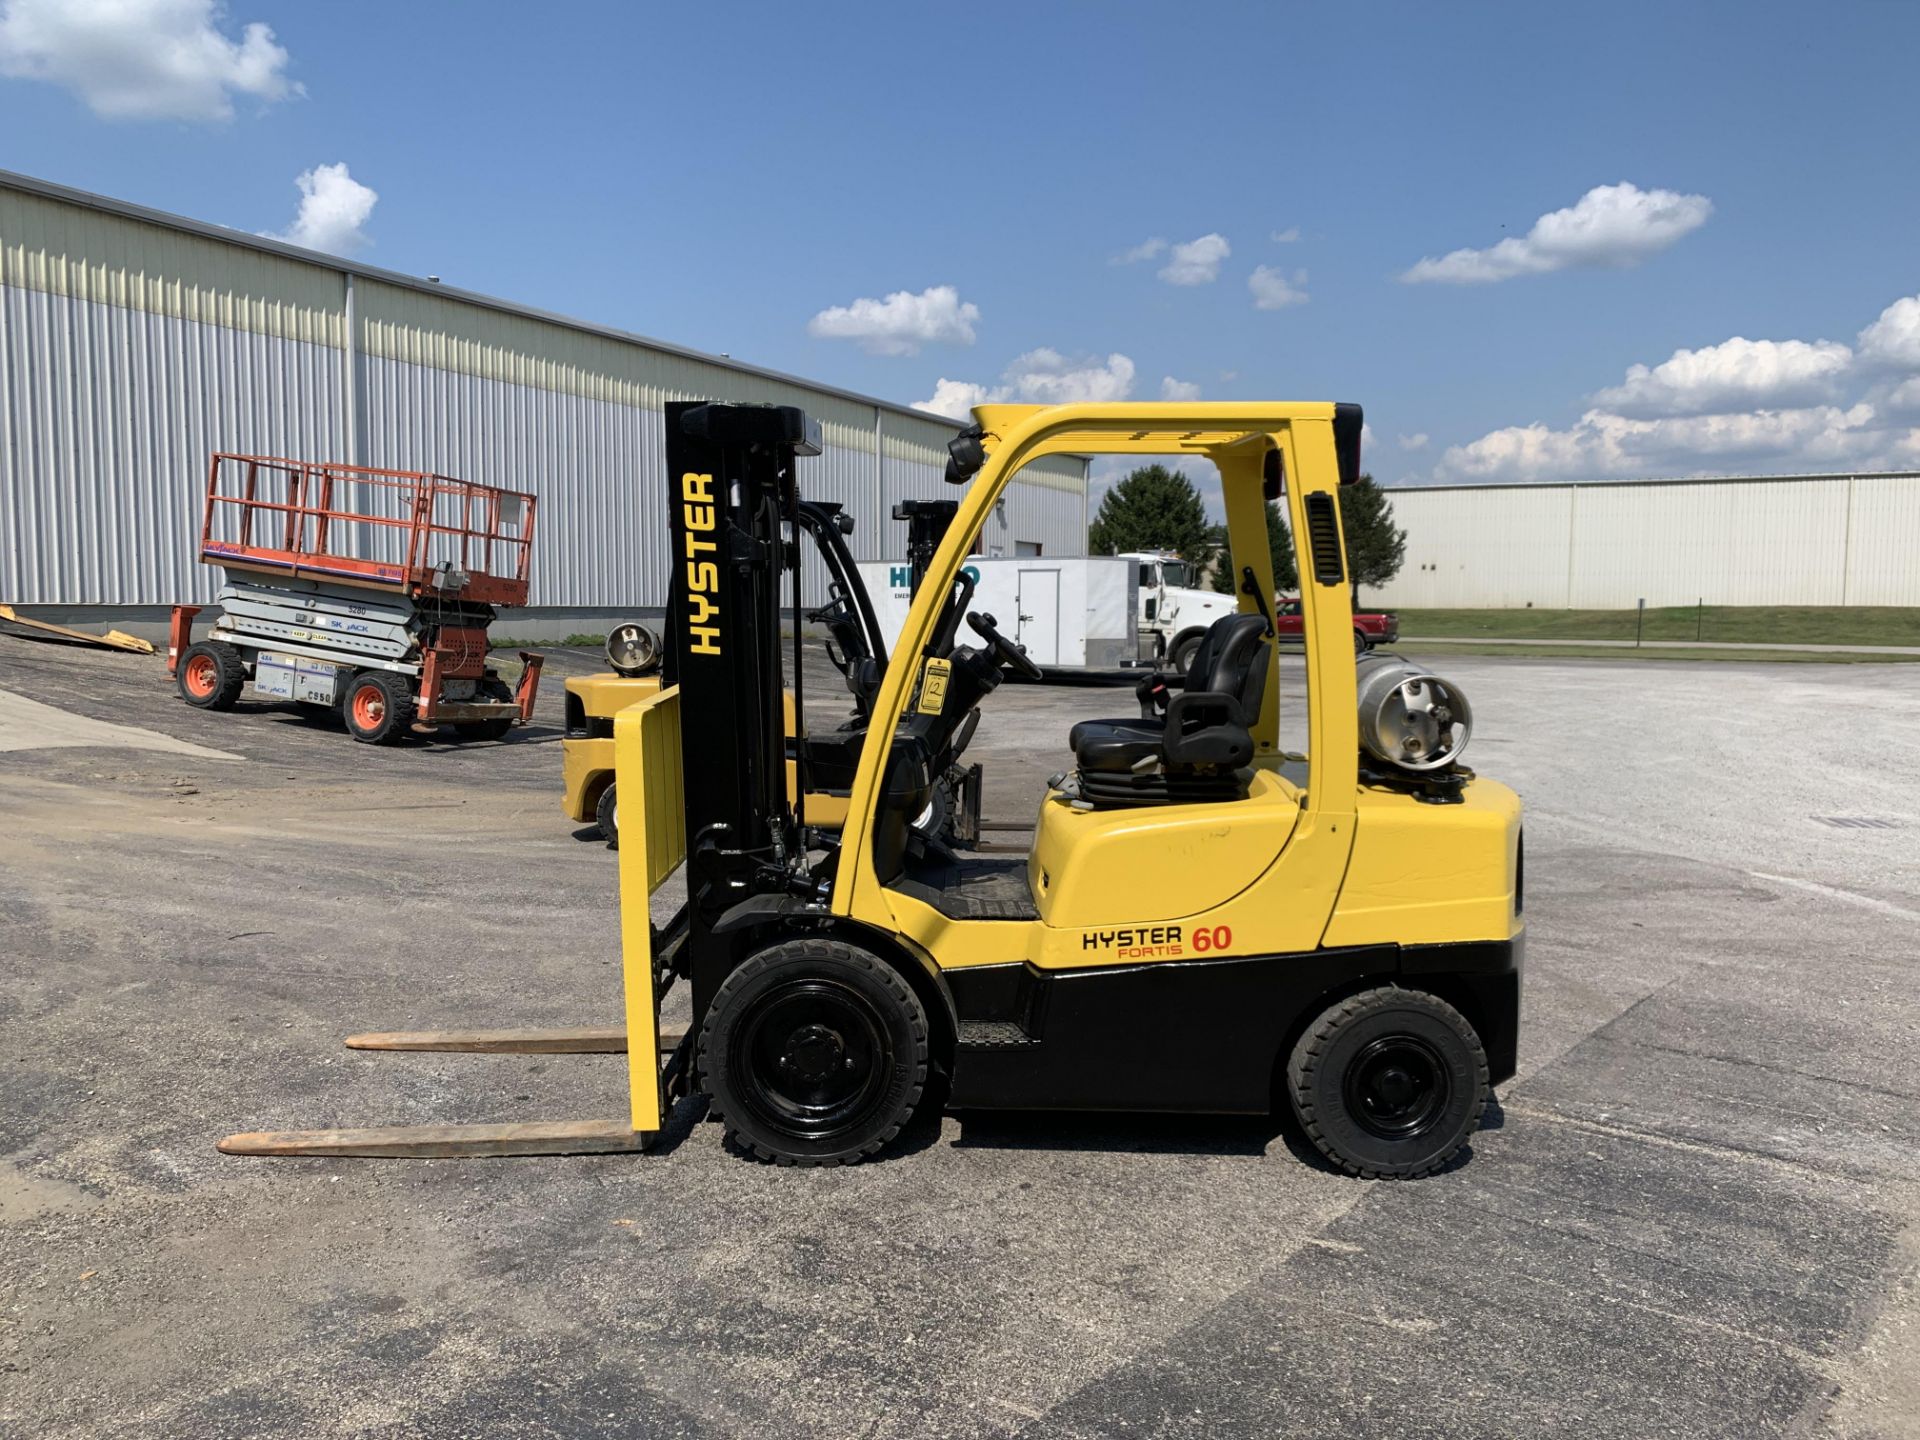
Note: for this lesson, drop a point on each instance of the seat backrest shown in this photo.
(1232, 661)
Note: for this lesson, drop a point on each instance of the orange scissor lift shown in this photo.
(370, 591)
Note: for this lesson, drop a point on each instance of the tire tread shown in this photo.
(1311, 1050)
(840, 952)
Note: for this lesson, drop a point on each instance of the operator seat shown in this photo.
(1199, 750)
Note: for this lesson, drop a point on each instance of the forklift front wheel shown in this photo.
(378, 707)
(1389, 1083)
(607, 815)
(814, 1052)
(210, 675)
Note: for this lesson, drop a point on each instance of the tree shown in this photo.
(1376, 549)
(1152, 508)
(1279, 547)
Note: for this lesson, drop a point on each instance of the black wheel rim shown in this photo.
(815, 1058)
(1398, 1087)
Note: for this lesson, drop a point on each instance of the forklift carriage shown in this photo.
(1205, 923)
(366, 590)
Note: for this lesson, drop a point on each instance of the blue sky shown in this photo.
(740, 178)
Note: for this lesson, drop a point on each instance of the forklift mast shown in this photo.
(731, 473)
(927, 522)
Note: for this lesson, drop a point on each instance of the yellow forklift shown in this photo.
(853, 643)
(1205, 923)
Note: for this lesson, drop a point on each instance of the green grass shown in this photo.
(511, 644)
(1720, 624)
(1576, 651)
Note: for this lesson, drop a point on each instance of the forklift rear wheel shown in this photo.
(210, 675)
(1389, 1083)
(378, 707)
(814, 1052)
(607, 815)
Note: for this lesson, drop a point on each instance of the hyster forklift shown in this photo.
(1205, 923)
(853, 643)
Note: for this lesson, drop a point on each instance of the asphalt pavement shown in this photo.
(1696, 1210)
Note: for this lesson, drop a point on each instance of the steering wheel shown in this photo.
(1013, 656)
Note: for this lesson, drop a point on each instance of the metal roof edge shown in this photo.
(1674, 480)
(52, 190)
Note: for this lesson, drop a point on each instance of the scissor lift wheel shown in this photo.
(210, 675)
(378, 707)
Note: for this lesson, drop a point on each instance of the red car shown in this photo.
(1370, 627)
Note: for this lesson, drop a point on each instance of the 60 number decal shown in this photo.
(1217, 937)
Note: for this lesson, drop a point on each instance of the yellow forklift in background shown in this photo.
(853, 643)
(1205, 923)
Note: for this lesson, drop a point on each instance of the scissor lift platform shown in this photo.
(367, 589)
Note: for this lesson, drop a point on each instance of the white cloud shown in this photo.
(1894, 339)
(1903, 399)
(955, 398)
(142, 59)
(901, 323)
(1273, 291)
(1039, 377)
(1145, 250)
(1737, 374)
(1172, 389)
(1739, 407)
(1414, 442)
(1604, 446)
(1046, 377)
(1610, 227)
(333, 209)
(1196, 262)
(1286, 236)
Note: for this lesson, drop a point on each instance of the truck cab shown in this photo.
(1174, 614)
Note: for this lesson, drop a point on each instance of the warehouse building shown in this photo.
(135, 344)
(1781, 540)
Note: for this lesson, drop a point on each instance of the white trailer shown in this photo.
(1077, 614)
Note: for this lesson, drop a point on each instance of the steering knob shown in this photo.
(1013, 656)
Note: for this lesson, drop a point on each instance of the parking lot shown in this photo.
(1696, 1210)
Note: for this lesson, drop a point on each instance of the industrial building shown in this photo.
(1781, 540)
(135, 344)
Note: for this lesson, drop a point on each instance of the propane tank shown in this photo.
(1410, 719)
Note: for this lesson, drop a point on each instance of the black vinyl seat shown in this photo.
(1200, 748)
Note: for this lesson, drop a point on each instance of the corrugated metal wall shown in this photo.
(1793, 540)
(131, 349)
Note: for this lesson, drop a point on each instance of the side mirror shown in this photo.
(1348, 421)
(965, 455)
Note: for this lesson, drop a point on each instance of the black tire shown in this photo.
(210, 675)
(813, 1052)
(1361, 644)
(378, 707)
(483, 729)
(607, 817)
(490, 688)
(1184, 649)
(1389, 1083)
